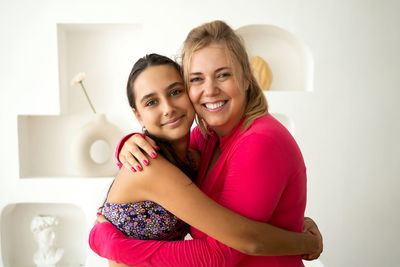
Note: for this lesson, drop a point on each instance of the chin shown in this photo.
(176, 136)
(216, 122)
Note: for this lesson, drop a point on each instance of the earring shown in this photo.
(144, 130)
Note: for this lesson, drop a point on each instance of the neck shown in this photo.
(181, 147)
(226, 129)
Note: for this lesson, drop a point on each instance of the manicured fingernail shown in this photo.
(133, 169)
(153, 155)
(138, 168)
(145, 162)
(98, 214)
(157, 147)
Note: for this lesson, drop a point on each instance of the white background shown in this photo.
(347, 127)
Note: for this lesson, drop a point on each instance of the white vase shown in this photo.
(93, 148)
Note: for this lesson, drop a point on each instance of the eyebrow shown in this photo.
(217, 70)
(172, 85)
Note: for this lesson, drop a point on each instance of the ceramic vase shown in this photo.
(87, 157)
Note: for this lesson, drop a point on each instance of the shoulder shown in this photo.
(158, 178)
(267, 125)
(159, 174)
(139, 180)
(266, 147)
(269, 138)
(267, 130)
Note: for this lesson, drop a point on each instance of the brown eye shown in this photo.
(150, 103)
(223, 75)
(175, 92)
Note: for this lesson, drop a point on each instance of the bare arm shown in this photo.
(167, 185)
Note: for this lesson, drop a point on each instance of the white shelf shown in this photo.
(17, 239)
(45, 145)
(106, 52)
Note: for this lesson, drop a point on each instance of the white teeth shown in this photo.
(215, 105)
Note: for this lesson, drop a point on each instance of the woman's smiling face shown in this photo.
(162, 103)
(216, 90)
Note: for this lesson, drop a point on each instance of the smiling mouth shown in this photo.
(173, 122)
(215, 106)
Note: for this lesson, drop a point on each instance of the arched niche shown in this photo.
(289, 59)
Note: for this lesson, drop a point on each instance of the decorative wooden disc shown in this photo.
(261, 72)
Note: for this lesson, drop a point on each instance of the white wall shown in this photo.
(347, 127)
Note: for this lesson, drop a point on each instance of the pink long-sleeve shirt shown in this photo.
(260, 174)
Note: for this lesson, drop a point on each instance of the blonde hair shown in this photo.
(218, 32)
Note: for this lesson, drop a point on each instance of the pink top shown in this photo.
(260, 174)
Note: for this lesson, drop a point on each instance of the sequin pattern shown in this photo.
(145, 220)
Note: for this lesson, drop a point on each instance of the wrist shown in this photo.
(311, 243)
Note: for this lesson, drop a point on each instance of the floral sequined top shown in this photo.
(145, 220)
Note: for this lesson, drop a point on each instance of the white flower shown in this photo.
(78, 78)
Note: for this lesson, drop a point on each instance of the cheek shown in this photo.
(148, 121)
(239, 93)
(188, 106)
(194, 95)
(198, 110)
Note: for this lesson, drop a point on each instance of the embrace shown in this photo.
(236, 182)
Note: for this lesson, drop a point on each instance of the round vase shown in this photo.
(98, 130)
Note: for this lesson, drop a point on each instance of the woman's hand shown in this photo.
(100, 219)
(310, 227)
(132, 157)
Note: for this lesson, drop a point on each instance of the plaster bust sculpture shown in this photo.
(43, 229)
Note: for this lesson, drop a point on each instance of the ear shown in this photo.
(246, 85)
(138, 117)
(246, 80)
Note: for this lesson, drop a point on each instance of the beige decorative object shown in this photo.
(93, 148)
(261, 72)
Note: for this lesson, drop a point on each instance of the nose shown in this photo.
(210, 87)
(168, 108)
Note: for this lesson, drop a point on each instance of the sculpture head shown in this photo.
(42, 228)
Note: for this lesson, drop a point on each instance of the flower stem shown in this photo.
(87, 97)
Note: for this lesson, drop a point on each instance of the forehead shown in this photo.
(212, 57)
(213, 54)
(155, 79)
